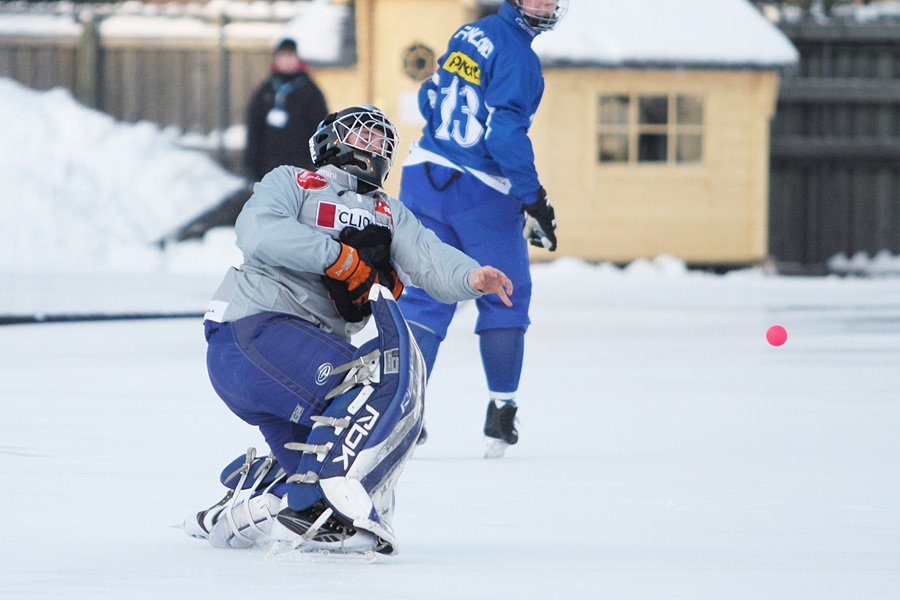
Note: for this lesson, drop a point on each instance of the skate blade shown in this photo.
(494, 448)
(283, 552)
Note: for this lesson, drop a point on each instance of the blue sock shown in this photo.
(429, 343)
(502, 351)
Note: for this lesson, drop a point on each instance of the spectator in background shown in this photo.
(283, 113)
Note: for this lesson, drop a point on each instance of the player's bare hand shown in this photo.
(492, 281)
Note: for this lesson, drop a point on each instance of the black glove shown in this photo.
(369, 237)
(540, 224)
(365, 260)
(379, 239)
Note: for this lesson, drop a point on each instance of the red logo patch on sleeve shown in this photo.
(311, 181)
(384, 208)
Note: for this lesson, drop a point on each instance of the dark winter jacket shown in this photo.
(270, 146)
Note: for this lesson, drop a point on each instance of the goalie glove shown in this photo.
(540, 222)
(376, 236)
(349, 279)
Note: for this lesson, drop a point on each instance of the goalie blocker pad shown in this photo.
(358, 448)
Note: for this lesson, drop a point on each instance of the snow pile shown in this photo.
(883, 263)
(80, 190)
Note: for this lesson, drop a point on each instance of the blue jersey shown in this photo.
(480, 102)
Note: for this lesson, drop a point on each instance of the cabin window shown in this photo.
(615, 114)
(660, 129)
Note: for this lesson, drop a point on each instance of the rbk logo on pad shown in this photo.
(337, 216)
(357, 434)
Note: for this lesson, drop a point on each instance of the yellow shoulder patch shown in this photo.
(463, 66)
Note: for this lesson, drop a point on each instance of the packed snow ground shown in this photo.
(667, 452)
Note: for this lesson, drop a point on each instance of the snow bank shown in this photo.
(80, 190)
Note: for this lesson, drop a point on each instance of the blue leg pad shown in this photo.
(358, 448)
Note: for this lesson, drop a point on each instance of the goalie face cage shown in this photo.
(360, 140)
(367, 129)
(541, 15)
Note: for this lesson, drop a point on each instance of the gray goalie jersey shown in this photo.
(288, 233)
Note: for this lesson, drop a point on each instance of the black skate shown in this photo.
(301, 522)
(500, 428)
(317, 535)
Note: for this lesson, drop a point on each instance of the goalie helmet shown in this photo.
(541, 15)
(360, 140)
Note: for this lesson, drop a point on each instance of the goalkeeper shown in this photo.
(314, 244)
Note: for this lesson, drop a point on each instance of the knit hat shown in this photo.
(286, 44)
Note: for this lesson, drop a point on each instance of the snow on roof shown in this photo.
(149, 26)
(318, 26)
(845, 14)
(869, 12)
(665, 34)
(51, 25)
(617, 33)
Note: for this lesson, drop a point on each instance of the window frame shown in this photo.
(633, 130)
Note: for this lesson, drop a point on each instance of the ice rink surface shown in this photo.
(667, 451)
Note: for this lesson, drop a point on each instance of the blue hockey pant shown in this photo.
(482, 222)
(272, 370)
(487, 225)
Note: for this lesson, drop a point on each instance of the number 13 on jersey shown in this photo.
(459, 114)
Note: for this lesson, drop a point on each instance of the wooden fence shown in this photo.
(198, 85)
(835, 169)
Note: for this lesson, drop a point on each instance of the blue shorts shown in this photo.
(482, 222)
(273, 371)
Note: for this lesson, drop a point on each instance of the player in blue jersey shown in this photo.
(471, 179)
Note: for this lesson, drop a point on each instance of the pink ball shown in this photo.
(776, 335)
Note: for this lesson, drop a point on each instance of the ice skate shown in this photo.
(246, 524)
(243, 517)
(317, 534)
(500, 428)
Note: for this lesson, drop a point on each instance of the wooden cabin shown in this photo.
(653, 134)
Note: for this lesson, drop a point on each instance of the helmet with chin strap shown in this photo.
(533, 16)
(360, 140)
